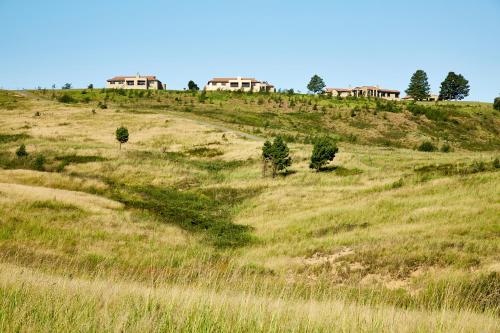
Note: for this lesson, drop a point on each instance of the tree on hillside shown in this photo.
(90, 86)
(454, 86)
(277, 153)
(496, 104)
(66, 86)
(121, 135)
(193, 86)
(419, 87)
(323, 152)
(266, 156)
(316, 85)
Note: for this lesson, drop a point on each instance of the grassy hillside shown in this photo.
(179, 231)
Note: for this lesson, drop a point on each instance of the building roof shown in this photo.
(389, 91)
(338, 89)
(367, 87)
(376, 88)
(227, 79)
(121, 78)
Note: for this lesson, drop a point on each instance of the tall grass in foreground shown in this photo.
(37, 302)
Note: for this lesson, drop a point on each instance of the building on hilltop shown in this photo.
(431, 98)
(239, 84)
(365, 91)
(339, 92)
(135, 82)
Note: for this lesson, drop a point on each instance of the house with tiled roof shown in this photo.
(238, 84)
(364, 91)
(376, 91)
(339, 92)
(135, 82)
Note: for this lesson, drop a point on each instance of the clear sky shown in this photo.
(284, 42)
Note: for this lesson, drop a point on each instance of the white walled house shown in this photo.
(135, 82)
(238, 84)
(376, 91)
(365, 91)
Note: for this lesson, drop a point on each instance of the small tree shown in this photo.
(66, 86)
(316, 85)
(454, 86)
(193, 86)
(90, 86)
(419, 87)
(21, 151)
(122, 135)
(266, 156)
(279, 155)
(323, 152)
(496, 104)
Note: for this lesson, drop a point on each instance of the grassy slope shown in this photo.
(182, 219)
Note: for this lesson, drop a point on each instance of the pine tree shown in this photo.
(277, 153)
(454, 87)
(316, 85)
(324, 151)
(419, 87)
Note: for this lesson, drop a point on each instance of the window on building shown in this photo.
(141, 83)
(245, 84)
(130, 83)
(234, 84)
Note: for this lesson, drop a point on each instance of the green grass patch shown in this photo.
(204, 152)
(6, 138)
(207, 211)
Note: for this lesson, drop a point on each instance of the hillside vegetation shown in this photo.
(179, 231)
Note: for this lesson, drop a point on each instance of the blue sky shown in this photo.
(366, 42)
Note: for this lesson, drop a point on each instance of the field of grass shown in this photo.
(179, 231)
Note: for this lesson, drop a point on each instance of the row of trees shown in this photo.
(454, 87)
(276, 155)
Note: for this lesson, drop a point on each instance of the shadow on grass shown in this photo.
(340, 171)
(206, 211)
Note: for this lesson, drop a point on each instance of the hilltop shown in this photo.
(178, 230)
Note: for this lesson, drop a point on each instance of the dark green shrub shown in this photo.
(21, 151)
(496, 104)
(496, 163)
(39, 162)
(66, 98)
(427, 146)
(446, 148)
